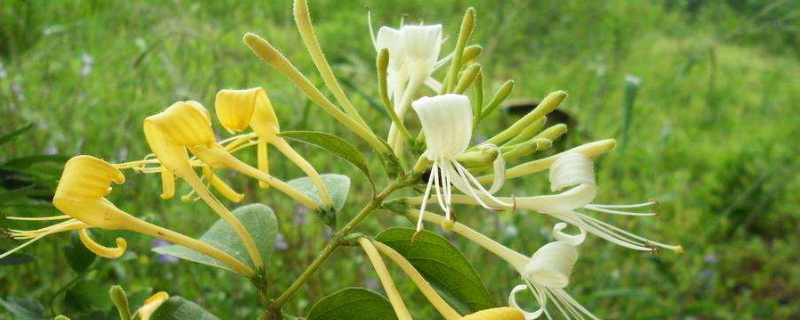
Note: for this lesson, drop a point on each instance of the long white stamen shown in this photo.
(471, 190)
(629, 234)
(436, 183)
(626, 206)
(448, 193)
(575, 304)
(424, 202)
(480, 186)
(617, 212)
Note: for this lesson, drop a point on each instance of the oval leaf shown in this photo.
(442, 264)
(338, 187)
(177, 308)
(24, 308)
(334, 144)
(353, 304)
(257, 218)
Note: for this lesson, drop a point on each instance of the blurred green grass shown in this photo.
(712, 136)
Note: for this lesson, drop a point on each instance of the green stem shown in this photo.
(335, 242)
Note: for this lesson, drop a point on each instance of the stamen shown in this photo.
(479, 185)
(425, 201)
(465, 185)
(626, 206)
(435, 172)
(61, 217)
(617, 212)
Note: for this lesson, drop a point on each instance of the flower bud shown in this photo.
(151, 304)
(447, 123)
(551, 265)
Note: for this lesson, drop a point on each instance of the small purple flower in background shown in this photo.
(51, 149)
(87, 61)
(372, 283)
(299, 216)
(16, 88)
(280, 242)
(711, 258)
(164, 258)
(706, 274)
(3, 73)
(122, 154)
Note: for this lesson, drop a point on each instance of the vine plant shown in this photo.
(438, 165)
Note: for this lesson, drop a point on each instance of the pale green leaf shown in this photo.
(338, 187)
(177, 308)
(257, 218)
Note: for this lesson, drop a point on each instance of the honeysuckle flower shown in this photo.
(413, 57)
(151, 305)
(80, 195)
(239, 109)
(447, 124)
(187, 125)
(545, 273)
(575, 170)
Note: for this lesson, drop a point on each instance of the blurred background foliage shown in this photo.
(710, 130)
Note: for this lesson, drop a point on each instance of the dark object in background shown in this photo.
(522, 107)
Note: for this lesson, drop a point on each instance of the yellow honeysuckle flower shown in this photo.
(80, 194)
(150, 305)
(187, 125)
(501, 313)
(239, 109)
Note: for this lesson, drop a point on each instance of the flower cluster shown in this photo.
(449, 170)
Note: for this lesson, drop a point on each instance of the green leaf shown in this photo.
(78, 257)
(333, 144)
(442, 264)
(24, 309)
(352, 304)
(177, 308)
(8, 137)
(257, 218)
(338, 187)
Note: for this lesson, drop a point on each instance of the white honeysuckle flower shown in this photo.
(447, 123)
(546, 274)
(413, 57)
(423, 44)
(576, 170)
